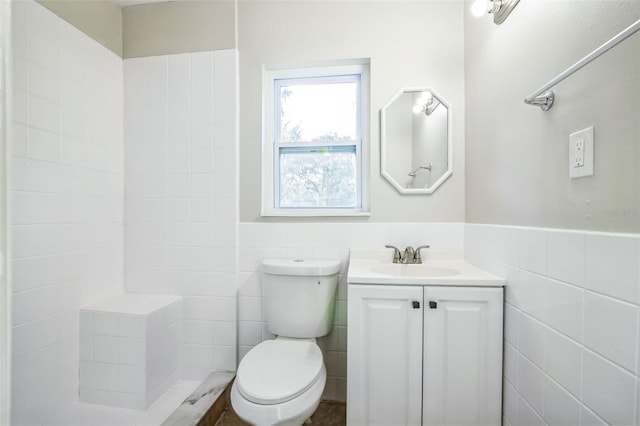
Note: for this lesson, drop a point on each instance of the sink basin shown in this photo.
(419, 270)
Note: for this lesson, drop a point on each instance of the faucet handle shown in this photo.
(416, 257)
(396, 253)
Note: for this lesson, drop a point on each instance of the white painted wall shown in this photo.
(571, 322)
(409, 43)
(181, 195)
(66, 201)
(517, 155)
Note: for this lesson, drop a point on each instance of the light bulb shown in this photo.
(424, 98)
(479, 8)
(417, 109)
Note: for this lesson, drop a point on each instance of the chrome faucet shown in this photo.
(410, 255)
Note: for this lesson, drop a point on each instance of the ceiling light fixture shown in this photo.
(500, 9)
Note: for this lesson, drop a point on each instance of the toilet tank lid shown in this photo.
(307, 267)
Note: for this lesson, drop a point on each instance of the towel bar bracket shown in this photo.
(544, 101)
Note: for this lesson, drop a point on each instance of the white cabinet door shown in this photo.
(462, 356)
(384, 356)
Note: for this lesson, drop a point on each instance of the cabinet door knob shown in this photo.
(415, 304)
(433, 305)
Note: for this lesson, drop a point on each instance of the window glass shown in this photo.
(318, 177)
(324, 110)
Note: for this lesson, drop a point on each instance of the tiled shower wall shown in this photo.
(66, 201)
(322, 241)
(181, 195)
(571, 322)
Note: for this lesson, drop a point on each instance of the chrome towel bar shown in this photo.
(543, 97)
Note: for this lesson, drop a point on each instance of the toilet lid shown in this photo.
(277, 371)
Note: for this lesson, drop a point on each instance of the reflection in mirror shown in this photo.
(416, 155)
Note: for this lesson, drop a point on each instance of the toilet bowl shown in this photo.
(280, 381)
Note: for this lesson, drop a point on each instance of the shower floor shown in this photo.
(84, 414)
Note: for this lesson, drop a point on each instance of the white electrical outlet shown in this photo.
(581, 153)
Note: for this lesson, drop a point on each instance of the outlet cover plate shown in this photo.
(581, 153)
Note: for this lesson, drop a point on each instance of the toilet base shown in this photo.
(290, 413)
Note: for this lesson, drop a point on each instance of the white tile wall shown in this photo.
(181, 195)
(67, 201)
(322, 241)
(571, 323)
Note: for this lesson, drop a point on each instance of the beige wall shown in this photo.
(99, 19)
(517, 155)
(178, 27)
(409, 43)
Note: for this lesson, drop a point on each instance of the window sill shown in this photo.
(315, 213)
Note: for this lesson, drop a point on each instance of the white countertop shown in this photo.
(361, 262)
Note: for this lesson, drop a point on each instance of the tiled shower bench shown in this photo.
(129, 349)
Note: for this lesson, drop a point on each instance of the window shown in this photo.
(315, 142)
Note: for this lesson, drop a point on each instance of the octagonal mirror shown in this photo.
(415, 140)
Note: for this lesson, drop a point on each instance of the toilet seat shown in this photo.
(276, 371)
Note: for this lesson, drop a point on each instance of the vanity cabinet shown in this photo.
(427, 355)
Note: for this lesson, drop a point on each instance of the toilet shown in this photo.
(280, 381)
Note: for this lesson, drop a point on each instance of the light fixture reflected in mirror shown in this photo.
(500, 9)
(426, 103)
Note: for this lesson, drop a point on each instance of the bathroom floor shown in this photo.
(329, 413)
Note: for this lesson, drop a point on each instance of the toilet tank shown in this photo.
(299, 296)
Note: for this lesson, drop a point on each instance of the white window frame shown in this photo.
(270, 150)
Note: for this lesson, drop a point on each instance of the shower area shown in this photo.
(119, 180)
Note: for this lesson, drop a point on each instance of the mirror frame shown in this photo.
(383, 142)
